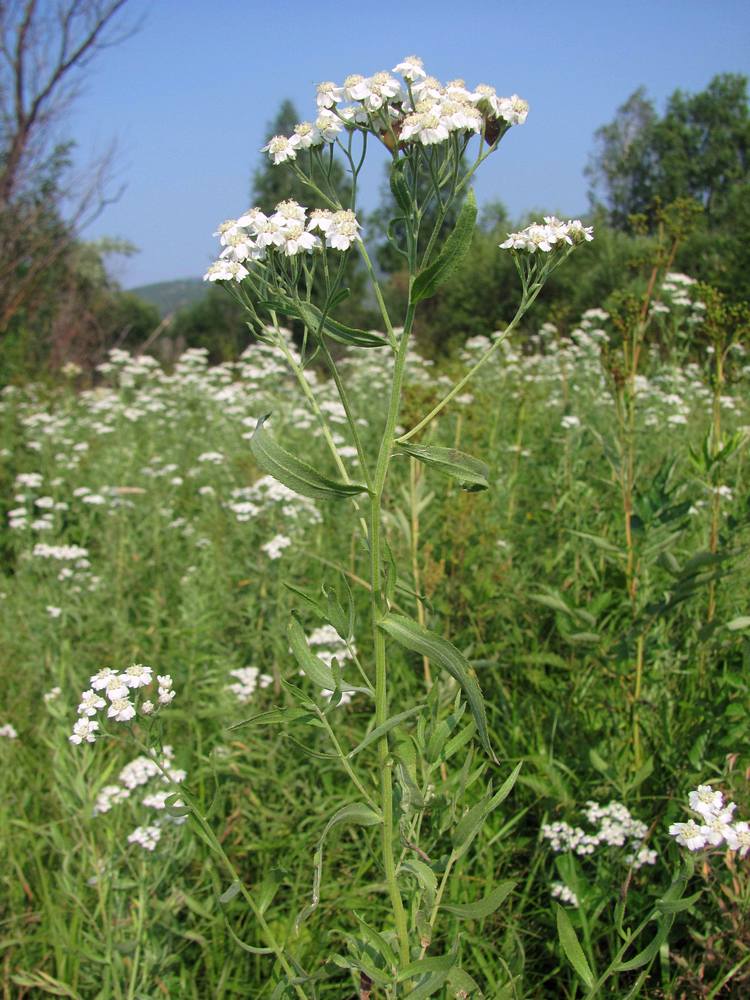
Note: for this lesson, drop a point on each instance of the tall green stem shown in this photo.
(379, 607)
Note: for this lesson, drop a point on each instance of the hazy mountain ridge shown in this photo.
(169, 296)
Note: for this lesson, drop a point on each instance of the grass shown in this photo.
(529, 579)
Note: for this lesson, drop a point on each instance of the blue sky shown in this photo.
(188, 97)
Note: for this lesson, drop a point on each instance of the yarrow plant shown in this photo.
(410, 773)
(714, 825)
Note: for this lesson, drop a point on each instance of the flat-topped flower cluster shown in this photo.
(614, 826)
(715, 824)
(112, 690)
(416, 109)
(553, 234)
(290, 230)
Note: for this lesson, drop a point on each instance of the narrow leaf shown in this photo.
(482, 907)
(384, 728)
(312, 666)
(572, 948)
(295, 474)
(470, 472)
(311, 316)
(454, 250)
(415, 637)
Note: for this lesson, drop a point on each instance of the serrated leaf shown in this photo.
(472, 822)
(275, 717)
(313, 667)
(311, 316)
(295, 474)
(421, 872)
(678, 905)
(454, 250)
(572, 948)
(437, 963)
(384, 728)
(472, 473)
(483, 907)
(418, 639)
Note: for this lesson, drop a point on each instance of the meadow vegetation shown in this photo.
(420, 702)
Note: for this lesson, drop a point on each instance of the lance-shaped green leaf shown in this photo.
(399, 187)
(356, 814)
(293, 472)
(415, 637)
(572, 947)
(483, 907)
(312, 317)
(472, 473)
(454, 250)
(311, 665)
(383, 728)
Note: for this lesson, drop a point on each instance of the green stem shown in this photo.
(526, 301)
(345, 763)
(379, 608)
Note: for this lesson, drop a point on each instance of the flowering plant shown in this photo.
(412, 770)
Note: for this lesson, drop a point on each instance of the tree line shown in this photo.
(58, 302)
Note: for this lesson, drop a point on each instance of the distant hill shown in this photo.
(169, 296)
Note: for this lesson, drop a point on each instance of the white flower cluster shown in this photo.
(417, 109)
(714, 826)
(289, 231)
(8, 732)
(549, 236)
(327, 644)
(136, 774)
(248, 679)
(558, 890)
(614, 827)
(116, 689)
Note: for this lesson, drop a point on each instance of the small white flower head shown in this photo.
(558, 890)
(103, 678)
(147, 708)
(689, 835)
(320, 219)
(84, 730)
(53, 612)
(718, 828)
(226, 270)
(225, 231)
(514, 109)
(137, 676)
(109, 795)
(276, 546)
(8, 732)
(166, 696)
(328, 125)
(146, 837)
(411, 68)
(298, 240)
(280, 149)
(121, 710)
(329, 94)
(343, 230)
(90, 704)
(116, 689)
(164, 680)
(288, 212)
(705, 801)
(52, 695)
(742, 838)
(307, 135)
